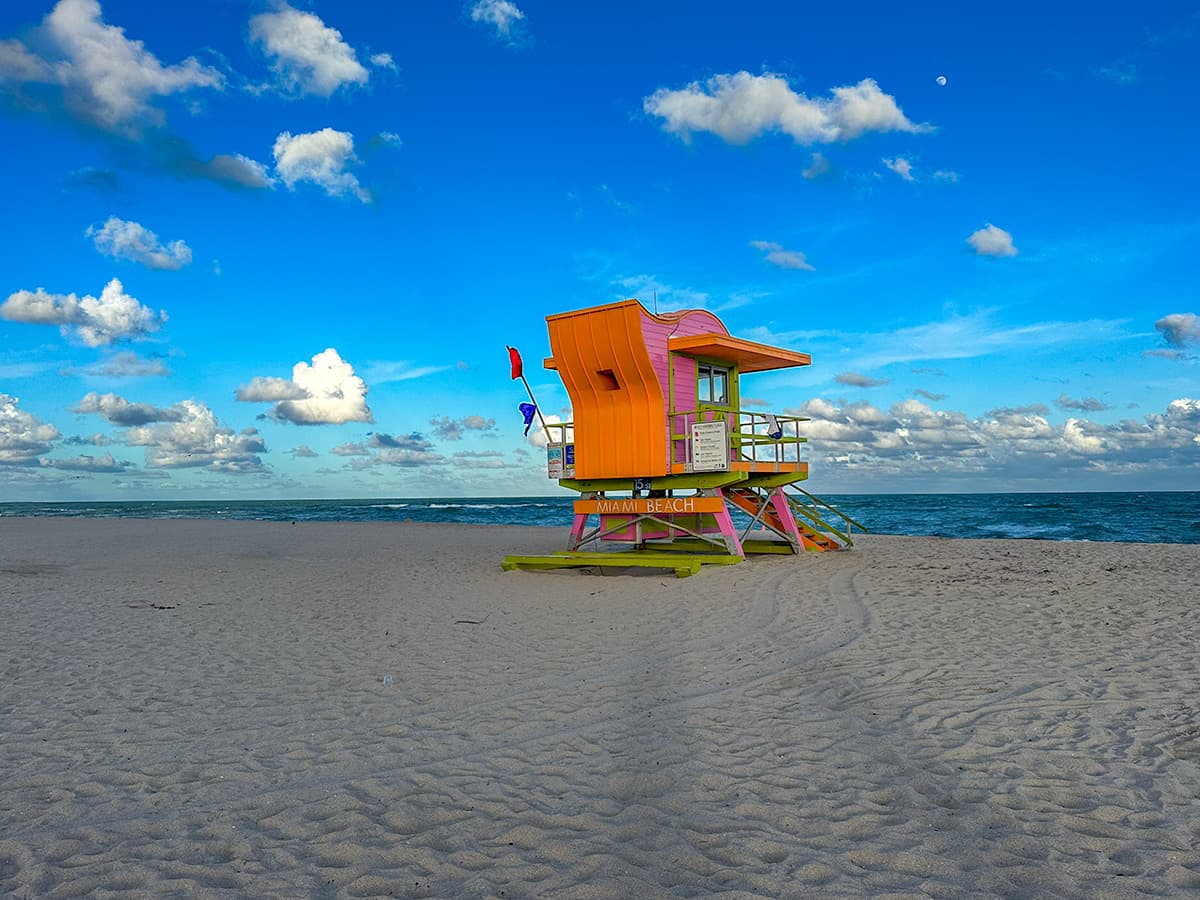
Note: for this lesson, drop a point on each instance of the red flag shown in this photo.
(515, 358)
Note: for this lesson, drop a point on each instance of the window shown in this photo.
(712, 385)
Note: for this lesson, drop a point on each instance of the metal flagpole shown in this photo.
(537, 409)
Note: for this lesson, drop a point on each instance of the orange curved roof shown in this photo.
(617, 401)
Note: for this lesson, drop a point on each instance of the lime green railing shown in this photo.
(811, 512)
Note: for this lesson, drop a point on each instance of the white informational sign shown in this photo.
(560, 461)
(710, 446)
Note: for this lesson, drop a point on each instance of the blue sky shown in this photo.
(265, 250)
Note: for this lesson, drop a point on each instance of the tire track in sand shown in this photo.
(791, 625)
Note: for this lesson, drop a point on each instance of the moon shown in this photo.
(941, 79)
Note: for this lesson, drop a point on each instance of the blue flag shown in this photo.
(528, 410)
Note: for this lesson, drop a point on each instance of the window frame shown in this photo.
(705, 372)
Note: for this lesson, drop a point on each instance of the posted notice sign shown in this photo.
(560, 461)
(710, 446)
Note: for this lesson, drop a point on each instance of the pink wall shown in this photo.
(655, 332)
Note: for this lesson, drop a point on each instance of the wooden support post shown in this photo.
(783, 509)
(725, 522)
(577, 532)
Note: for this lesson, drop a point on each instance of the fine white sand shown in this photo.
(266, 709)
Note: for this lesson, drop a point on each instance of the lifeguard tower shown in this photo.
(661, 451)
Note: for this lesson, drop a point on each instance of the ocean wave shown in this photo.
(475, 505)
(1168, 517)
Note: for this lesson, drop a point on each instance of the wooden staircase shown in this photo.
(803, 525)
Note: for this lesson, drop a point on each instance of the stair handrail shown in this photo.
(818, 521)
(834, 509)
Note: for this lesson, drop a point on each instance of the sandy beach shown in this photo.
(196, 708)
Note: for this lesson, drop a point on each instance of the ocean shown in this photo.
(1167, 517)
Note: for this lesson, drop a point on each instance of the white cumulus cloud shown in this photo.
(1082, 404)
(327, 392)
(106, 79)
(22, 437)
(741, 106)
(19, 65)
(76, 64)
(992, 241)
(901, 167)
(777, 255)
(819, 168)
(237, 171)
(1179, 329)
(449, 429)
(307, 55)
(113, 316)
(406, 451)
(93, 464)
(537, 436)
(320, 157)
(130, 240)
(270, 390)
(198, 440)
(1079, 437)
(502, 15)
(909, 441)
(119, 411)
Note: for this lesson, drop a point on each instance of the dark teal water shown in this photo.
(1172, 517)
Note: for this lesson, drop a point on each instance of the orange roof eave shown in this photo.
(549, 362)
(748, 356)
(594, 309)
